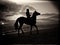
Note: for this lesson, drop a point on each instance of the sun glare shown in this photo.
(25, 1)
(21, 1)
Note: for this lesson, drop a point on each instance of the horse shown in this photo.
(23, 20)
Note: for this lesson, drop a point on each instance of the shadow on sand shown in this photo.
(44, 36)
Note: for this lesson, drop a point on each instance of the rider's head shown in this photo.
(27, 10)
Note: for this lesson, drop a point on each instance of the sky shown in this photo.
(42, 6)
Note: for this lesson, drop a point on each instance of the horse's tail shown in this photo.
(16, 24)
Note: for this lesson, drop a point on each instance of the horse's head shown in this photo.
(36, 13)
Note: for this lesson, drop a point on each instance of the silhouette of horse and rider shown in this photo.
(29, 21)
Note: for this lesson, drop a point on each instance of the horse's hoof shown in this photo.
(30, 33)
(23, 33)
(37, 32)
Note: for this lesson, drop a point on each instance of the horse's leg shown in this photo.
(30, 29)
(20, 27)
(36, 29)
(18, 31)
(22, 30)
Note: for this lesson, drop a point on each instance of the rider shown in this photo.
(28, 14)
